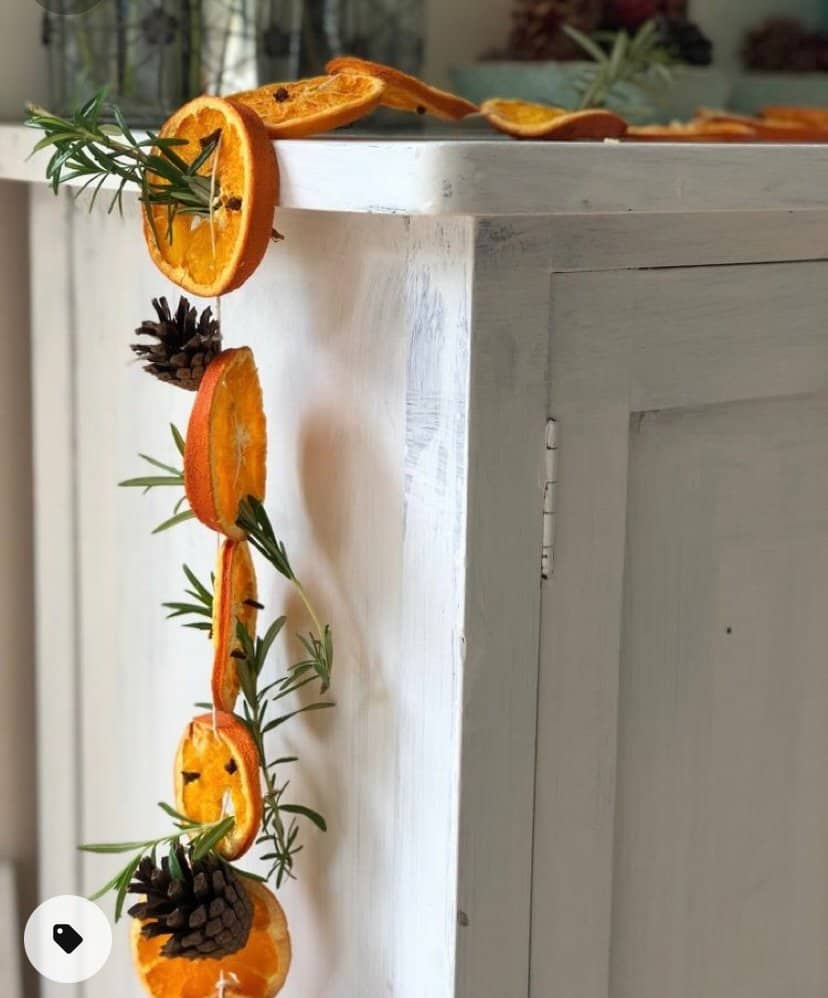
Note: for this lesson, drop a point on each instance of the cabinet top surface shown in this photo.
(491, 177)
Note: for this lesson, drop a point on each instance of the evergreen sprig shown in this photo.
(254, 520)
(620, 60)
(173, 478)
(202, 605)
(88, 149)
(280, 829)
(201, 839)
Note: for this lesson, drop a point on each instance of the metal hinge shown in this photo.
(550, 499)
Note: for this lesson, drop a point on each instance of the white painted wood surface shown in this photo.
(624, 870)
(366, 387)
(409, 366)
(477, 175)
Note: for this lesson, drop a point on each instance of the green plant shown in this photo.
(201, 838)
(89, 149)
(622, 62)
(172, 478)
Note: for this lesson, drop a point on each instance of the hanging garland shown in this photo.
(208, 184)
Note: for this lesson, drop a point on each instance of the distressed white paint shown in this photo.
(486, 176)
(410, 365)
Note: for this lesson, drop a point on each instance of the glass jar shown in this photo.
(153, 55)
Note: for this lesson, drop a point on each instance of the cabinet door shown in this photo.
(682, 813)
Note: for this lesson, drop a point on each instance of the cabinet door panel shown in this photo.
(679, 818)
(721, 867)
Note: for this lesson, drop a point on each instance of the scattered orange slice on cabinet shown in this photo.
(259, 970)
(212, 255)
(694, 131)
(216, 774)
(234, 602)
(524, 120)
(815, 117)
(312, 106)
(225, 452)
(404, 92)
(767, 129)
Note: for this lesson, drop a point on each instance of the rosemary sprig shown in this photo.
(627, 60)
(88, 149)
(202, 605)
(174, 478)
(201, 839)
(280, 829)
(319, 645)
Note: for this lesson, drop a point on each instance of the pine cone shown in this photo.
(206, 913)
(186, 343)
(537, 30)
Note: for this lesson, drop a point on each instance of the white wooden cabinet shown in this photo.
(604, 785)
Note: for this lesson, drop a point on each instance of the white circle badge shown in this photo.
(67, 939)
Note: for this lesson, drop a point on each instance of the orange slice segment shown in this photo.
(226, 448)
(309, 107)
(524, 120)
(768, 129)
(694, 131)
(259, 970)
(211, 255)
(815, 117)
(216, 774)
(404, 92)
(234, 601)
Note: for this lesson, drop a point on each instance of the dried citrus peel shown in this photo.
(259, 970)
(525, 120)
(234, 602)
(216, 773)
(312, 106)
(404, 92)
(225, 453)
(213, 254)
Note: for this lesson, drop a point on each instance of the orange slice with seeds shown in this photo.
(694, 131)
(234, 602)
(216, 774)
(312, 106)
(525, 120)
(212, 254)
(225, 452)
(259, 970)
(404, 92)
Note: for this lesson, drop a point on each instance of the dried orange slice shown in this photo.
(234, 601)
(213, 255)
(225, 452)
(259, 970)
(309, 107)
(768, 129)
(216, 774)
(815, 117)
(404, 92)
(694, 131)
(524, 120)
